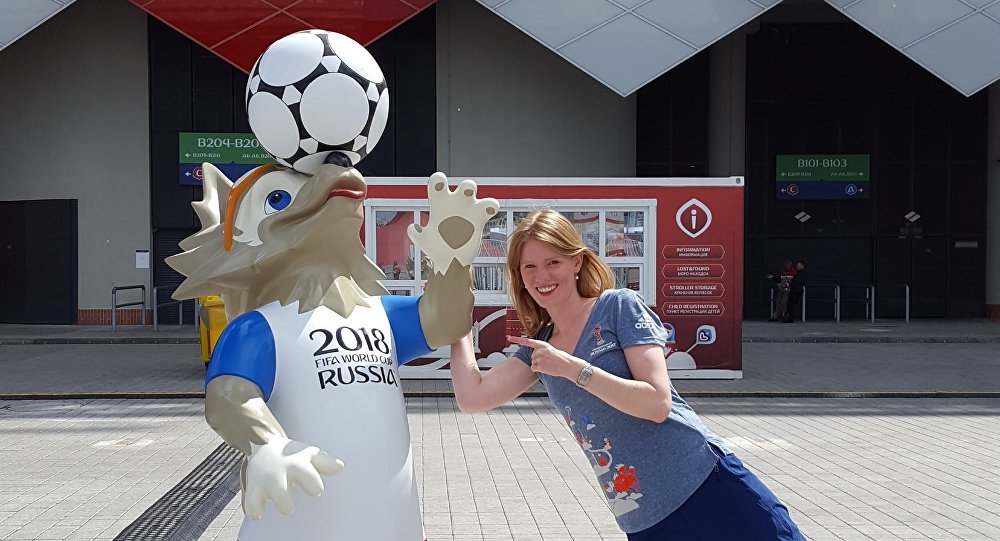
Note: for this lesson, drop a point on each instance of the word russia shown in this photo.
(346, 375)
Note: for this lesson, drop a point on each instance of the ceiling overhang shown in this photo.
(22, 16)
(625, 44)
(956, 40)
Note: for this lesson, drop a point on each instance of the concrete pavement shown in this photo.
(81, 467)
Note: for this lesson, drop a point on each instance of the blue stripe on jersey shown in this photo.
(245, 349)
(404, 320)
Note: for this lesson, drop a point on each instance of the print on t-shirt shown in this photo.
(620, 482)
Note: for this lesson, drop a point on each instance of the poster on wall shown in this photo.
(233, 153)
(678, 242)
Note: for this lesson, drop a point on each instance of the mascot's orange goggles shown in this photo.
(233, 201)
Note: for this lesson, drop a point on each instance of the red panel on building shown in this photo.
(239, 30)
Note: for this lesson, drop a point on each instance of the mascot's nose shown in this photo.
(348, 185)
(347, 182)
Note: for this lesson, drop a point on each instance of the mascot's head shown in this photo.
(291, 235)
(277, 235)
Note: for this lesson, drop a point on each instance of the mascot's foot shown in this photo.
(454, 228)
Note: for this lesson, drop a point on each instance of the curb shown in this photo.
(56, 341)
(746, 340)
(872, 340)
(539, 394)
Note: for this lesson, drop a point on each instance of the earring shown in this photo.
(577, 276)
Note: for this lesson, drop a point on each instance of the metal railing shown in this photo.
(836, 303)
(906, 293)
(803, 305)
(115, 306)
(870, 303)
(180, 310)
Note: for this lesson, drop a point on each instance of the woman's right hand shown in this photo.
(549, 360)
(476, 391)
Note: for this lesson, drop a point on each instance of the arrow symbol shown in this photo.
(187, 174)
(187, 155)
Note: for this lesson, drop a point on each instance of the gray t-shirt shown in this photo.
(645, 469)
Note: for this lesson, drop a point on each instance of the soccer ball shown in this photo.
(315, 92)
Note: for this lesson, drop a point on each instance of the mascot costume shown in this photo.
(304, 379)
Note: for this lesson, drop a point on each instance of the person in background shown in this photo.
(797, 287)
(784, 280)
(599, 353)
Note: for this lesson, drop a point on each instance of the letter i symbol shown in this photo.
(689, 218)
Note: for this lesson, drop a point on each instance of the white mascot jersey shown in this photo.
(336, 386)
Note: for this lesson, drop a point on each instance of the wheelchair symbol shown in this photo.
(705, 335)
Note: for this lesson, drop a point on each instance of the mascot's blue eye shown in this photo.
(277, 200)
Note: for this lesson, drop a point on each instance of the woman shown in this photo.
(599, 353)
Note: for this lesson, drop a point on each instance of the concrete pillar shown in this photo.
(727, 105)
(993, 205)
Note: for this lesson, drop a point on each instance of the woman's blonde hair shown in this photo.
(554, 229)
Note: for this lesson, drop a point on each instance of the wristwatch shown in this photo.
(584, 378)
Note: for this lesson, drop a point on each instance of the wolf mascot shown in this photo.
(304, 380)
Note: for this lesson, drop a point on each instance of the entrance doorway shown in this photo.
(835, 89)
(918, 262)
(38, 261)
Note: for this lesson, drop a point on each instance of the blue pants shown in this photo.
(731, 505)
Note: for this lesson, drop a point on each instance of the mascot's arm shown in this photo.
(446, 306)
(451, 239)
(240, 379)
(235, 409)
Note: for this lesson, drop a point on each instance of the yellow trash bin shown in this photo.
(212, 320)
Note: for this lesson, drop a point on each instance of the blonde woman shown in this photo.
(599, 353)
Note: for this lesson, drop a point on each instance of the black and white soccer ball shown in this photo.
(315, 92)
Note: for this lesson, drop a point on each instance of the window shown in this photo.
(615, 229)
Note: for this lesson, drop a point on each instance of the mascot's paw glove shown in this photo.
(273, 468)
(454, 227)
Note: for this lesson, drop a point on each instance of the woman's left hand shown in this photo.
(546, 359)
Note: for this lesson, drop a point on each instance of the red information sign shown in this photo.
(701, 275)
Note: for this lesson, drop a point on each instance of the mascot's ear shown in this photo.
(212, 207)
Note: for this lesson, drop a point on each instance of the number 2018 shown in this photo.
(375, 340)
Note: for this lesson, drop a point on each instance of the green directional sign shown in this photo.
(222, 148)
(232, 153)
(818, 167)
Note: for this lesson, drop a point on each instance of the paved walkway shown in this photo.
(849, 469)
(857, 331)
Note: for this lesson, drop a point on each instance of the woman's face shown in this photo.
(549, 276)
